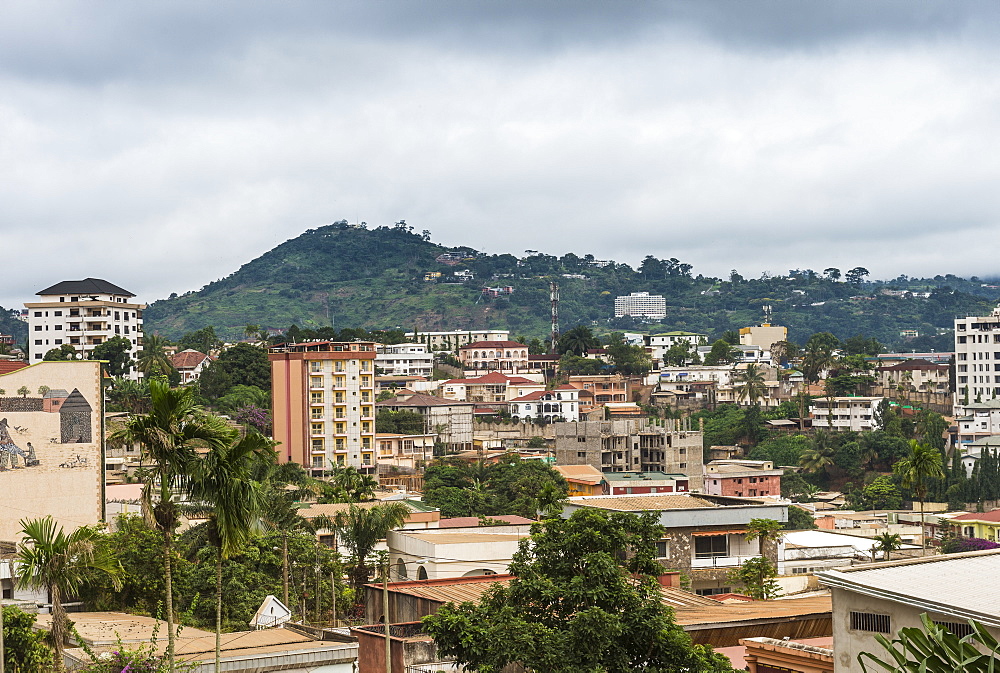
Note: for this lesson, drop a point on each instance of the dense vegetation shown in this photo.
(11, 325)
(340, 275)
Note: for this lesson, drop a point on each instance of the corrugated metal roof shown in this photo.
(956, 584)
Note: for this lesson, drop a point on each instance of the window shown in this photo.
(57, 342)
(663, 549)
(315, 366)
(316, 397)
(316, 413)
(960, 629)
(316, 428)
(866, 621)
(38, 342)
(711, 546)
(38, 314)
(318, 445)
(38, 328)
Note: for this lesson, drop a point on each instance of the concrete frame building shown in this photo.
(83, 314)
(631, 445)
(450, 420)
(641, 305)
(847, 413)
(323, 402)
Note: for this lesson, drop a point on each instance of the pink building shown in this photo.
(742, 478)
(502, 356)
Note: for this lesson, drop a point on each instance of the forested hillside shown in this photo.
(348, 276)
(11, 325)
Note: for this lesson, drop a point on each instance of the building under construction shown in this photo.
(632, 445)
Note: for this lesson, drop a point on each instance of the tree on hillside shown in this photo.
(584, 598)
(240, 365)
(721, 353)
(856, 275)
(203, 340)
(59, 563)
(833, 273)
(750, 384)
(818, 355)
(116, 351)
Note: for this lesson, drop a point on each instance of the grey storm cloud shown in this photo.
(162, 144)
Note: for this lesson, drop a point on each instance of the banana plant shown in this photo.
(934, 649)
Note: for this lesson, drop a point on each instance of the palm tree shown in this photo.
(818, 355)
(577, 341)
(169, 435)
(818, 457)
(223, 480)
(361, 528)
(923, 463)
(153, 360)
(886, 543)
(352, 485)
(750, 384)
(50, 559)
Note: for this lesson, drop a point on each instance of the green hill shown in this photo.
(348, 276)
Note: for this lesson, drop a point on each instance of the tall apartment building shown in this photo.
(323, 402)
(84, 314)
(452, 341)
(977, 360)
(405, 360)
(632, 445)
(641, 305)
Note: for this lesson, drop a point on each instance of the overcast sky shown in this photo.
(160, 145)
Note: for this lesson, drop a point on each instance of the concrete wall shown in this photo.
(65, 478)
(849, 643)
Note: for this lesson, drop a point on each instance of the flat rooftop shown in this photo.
(658, 502)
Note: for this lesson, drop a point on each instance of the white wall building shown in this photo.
(406, 359)
(977, 359)
(641, 305)
(451, 341)
(444, 553)
(84, 314)
(561, 404)
(844, 413)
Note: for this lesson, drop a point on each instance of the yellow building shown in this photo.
(323, 402)
(985, 526)
(763, 335)
(582, 479)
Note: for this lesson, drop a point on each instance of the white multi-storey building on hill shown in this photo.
(84, 314)
(641, 305)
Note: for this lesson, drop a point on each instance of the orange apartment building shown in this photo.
(323, 403)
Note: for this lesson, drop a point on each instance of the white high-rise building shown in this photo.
(84, 314)
(641, 305)
(977, 360)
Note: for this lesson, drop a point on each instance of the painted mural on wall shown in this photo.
(51, 459)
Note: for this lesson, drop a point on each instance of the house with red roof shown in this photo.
(560, 404)
(985, 525)
(491, 389)
(189, 364)
(488, 356)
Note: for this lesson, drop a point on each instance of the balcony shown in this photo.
(720, 561)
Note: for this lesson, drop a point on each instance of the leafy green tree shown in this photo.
(819, 457)
(880, 493)
(799, 519)
(50, 559)
(169, 436)
(626, 358)
(720, 354)
(240, 396)
(856, 275)
(400, 422)
(128, 395)
(923, 464)
(360, 530)
(24, 646)
(584, 599)
(347, 484)
(681, 354)
(116, 351)
(818, 355)
(203, 340)
(223, 480)
(757, 575)
(63, 352)
(574, 365)
(240, 365)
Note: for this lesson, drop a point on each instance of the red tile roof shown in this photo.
(188, 359)
(470, 521)
(8, 366)
(992, 516)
